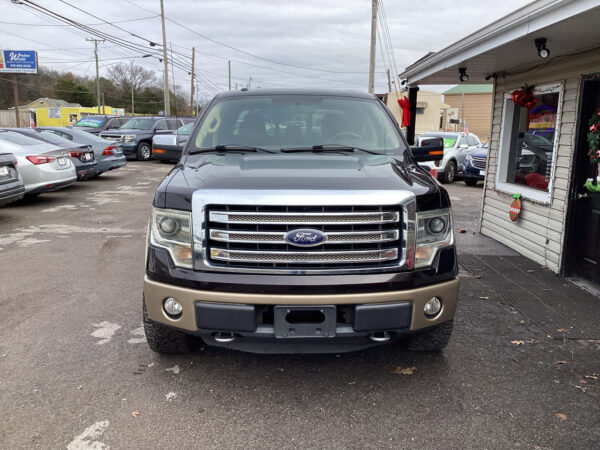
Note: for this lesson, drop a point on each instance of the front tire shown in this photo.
(470, 181)
(431, 340)
(166, 340)
(449, 173)
(144, 152)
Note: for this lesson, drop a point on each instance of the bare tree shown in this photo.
(130, 76)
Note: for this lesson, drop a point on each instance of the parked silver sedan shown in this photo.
(44, 167)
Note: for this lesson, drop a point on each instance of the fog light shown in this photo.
(433, 307)
(172, 307)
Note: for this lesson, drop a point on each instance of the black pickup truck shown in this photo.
(300, 221)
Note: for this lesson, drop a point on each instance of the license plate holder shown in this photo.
(290, 322)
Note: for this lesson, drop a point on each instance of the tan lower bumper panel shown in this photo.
(155, 293)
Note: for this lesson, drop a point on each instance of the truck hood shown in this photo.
(297, 172)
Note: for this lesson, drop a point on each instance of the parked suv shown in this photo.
(97, 124)
(456, 147)
(269, 236)
(136, 134)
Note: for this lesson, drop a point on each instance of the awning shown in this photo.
(507, 45)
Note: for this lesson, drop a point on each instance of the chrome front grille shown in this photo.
(478, 162)
(254, 237)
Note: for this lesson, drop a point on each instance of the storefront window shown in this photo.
(528, 144)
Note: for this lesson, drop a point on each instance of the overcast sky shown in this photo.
(332, 36)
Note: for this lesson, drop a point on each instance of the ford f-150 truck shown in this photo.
(300, 221)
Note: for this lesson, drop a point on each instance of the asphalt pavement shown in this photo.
(76, 372)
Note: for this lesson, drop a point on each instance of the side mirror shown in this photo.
(430, 149)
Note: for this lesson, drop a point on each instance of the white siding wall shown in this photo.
(539, 232)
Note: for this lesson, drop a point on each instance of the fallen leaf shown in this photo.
(592, 377)
(563, 330)
(561, 362)
(517, 342)
(521, 321)
(484, 298)
(582, 389)
(135, 413)
(561, 416)
(548, 336)
(405, 371)
(582, 381)
(79, 388)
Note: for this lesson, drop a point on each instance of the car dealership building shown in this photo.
(544, 62)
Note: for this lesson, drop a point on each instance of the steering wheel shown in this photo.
(345, 134)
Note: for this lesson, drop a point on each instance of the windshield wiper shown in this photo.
(328, 148)
(232, 147)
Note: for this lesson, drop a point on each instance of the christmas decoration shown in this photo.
(405, 105)
(515, 208)
(524, 97)
(593, 138)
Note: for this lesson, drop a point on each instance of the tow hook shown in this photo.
(380, 336)
(225, 337)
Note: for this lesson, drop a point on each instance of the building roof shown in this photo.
(471, 89)
(508, 44)
(53, 103)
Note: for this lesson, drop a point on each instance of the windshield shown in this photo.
(90, 122)
(18, 138)
(298, 121)
(139, 124)
(185, 129)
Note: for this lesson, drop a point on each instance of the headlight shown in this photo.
(468, 158)
(172, 230)
(434, 232)
(129, 137)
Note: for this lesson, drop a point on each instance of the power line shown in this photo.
(87, 24)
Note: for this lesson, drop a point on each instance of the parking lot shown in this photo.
(77, 373)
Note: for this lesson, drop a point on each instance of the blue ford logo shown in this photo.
(305, 238)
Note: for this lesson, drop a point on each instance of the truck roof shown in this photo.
(296, 91)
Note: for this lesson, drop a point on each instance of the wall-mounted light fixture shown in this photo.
(491, 75)
(463, 74)
(543, 51)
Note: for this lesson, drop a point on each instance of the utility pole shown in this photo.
(373, 42)
(229, 70)
(192, 88)
(95, 41)
(16, 96)
(166, 63)
(389, 82)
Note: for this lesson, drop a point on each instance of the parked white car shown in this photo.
(44, 167)
(456, 147)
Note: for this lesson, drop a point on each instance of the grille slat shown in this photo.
(254, 236)
(478, 162)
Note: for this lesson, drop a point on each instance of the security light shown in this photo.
(463, 74)
(543, 51)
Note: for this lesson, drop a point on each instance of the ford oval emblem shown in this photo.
(305, 237)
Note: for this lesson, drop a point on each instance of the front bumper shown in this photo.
(249, 317)
(473, 172)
